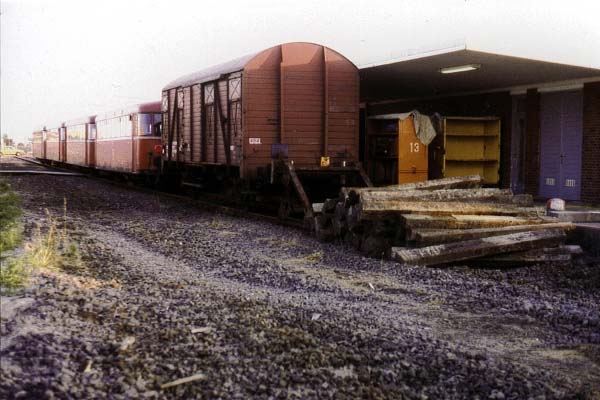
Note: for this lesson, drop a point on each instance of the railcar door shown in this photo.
(561, 138)
(90, 145)
(62, 144)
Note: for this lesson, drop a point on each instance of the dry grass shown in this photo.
(315, 257)
(52, 247)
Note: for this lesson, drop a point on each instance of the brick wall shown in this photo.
(590, 157)
(497, 104)
(532, 143)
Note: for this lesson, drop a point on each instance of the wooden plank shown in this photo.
(438, 236)
(459, 182)
(387, 209)
(424, 221)
(466, 250)
(555, 255)
(573, 250)
(300, 190)
(524, 200)
(491, 195)
(352, 220)
(556, 260)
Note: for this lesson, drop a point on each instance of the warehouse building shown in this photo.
(549, 114)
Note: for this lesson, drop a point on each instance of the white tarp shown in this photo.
(423, 126)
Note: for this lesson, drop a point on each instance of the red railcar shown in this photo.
(293, 105)
(38, 145)
(126, 139)
(80, 142)
(54, 144)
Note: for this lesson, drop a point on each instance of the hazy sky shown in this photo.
(67, 59)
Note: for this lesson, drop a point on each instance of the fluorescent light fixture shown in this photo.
(460, 68)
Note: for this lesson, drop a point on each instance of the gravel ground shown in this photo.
(14, 164)
(278, 314)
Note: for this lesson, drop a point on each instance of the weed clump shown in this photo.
(10, 219)
(51, 247)
(12, 273)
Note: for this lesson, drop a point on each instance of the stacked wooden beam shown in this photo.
(443, 221)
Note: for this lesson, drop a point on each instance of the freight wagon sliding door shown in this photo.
(561, 136)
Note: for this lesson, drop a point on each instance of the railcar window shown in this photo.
(209, 94)
(113, 128)
(76, 132)
(180, 100)
(149, 124)
(126, 127)
(235, 88)
(101, 129)
(236, 113)
(157, 124)
(92, 132)
(145, 124)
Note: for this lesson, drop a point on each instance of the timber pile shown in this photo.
(444, 221)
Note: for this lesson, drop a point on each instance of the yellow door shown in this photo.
(412, 154)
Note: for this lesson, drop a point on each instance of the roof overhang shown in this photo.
(420, 75)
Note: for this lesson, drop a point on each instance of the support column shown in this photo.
(590, 154)
(532, 143)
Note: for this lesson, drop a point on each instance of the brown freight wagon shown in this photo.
(281, 117)
(80, 142)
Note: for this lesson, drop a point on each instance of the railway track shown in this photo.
(205, 202)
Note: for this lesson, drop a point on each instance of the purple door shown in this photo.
(561, 134)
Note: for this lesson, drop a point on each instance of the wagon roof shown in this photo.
(216, 71)
(212, 73)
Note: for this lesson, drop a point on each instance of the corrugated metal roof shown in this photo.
(212, 73)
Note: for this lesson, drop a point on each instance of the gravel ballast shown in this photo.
(257, 310)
